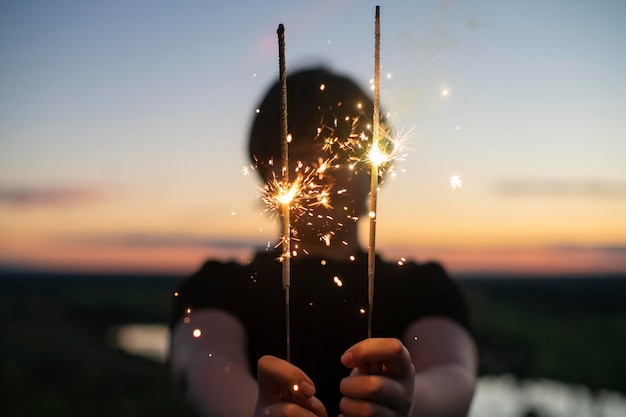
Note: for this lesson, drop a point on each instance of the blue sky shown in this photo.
(121, 120)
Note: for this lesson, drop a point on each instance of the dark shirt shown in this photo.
(328, 307)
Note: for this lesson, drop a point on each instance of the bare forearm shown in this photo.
(442, 391)
(215, 387)
(209, 360)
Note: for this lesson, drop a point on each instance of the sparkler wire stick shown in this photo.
(371, 248)
(286, 255)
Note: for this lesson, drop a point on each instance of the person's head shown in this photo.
(329, 118)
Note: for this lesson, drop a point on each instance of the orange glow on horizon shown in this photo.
(183, 261)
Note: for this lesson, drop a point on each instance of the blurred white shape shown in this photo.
(505, 396)
(147, 340)
(456, 182)
(496, 396)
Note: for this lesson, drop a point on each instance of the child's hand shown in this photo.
(382, 379)
(285, 391)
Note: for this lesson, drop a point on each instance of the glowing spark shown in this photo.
(362, 310)
(338, 281)
(303, 196)
(197, 333)
(346, 136)
(286, 196)
(401, 261)
(377, 156)
(456, 182)
(322, 167)
(295, 388)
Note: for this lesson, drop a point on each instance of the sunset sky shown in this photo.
(123, 124)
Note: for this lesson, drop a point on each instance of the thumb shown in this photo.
(279, 380)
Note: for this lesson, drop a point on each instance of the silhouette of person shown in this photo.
(228, 333)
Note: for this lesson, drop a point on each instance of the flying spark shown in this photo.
(456, 182)
(344, 135)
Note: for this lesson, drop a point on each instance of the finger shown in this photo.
(350, 407)
(374, 388)
(368, 369)
(316, 407)
(277, 376)
(312, 404)
(390, 352)
(277, 387)
(287, 409)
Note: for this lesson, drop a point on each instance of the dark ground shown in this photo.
(56, 360)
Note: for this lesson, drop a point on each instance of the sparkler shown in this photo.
(376, 157)
(342, 134)
(287, 197)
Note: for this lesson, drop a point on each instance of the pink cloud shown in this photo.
(46, 196)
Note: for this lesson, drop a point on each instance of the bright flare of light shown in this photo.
(286, 196)
(377, 156)
(456, 182)
(394, 150)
